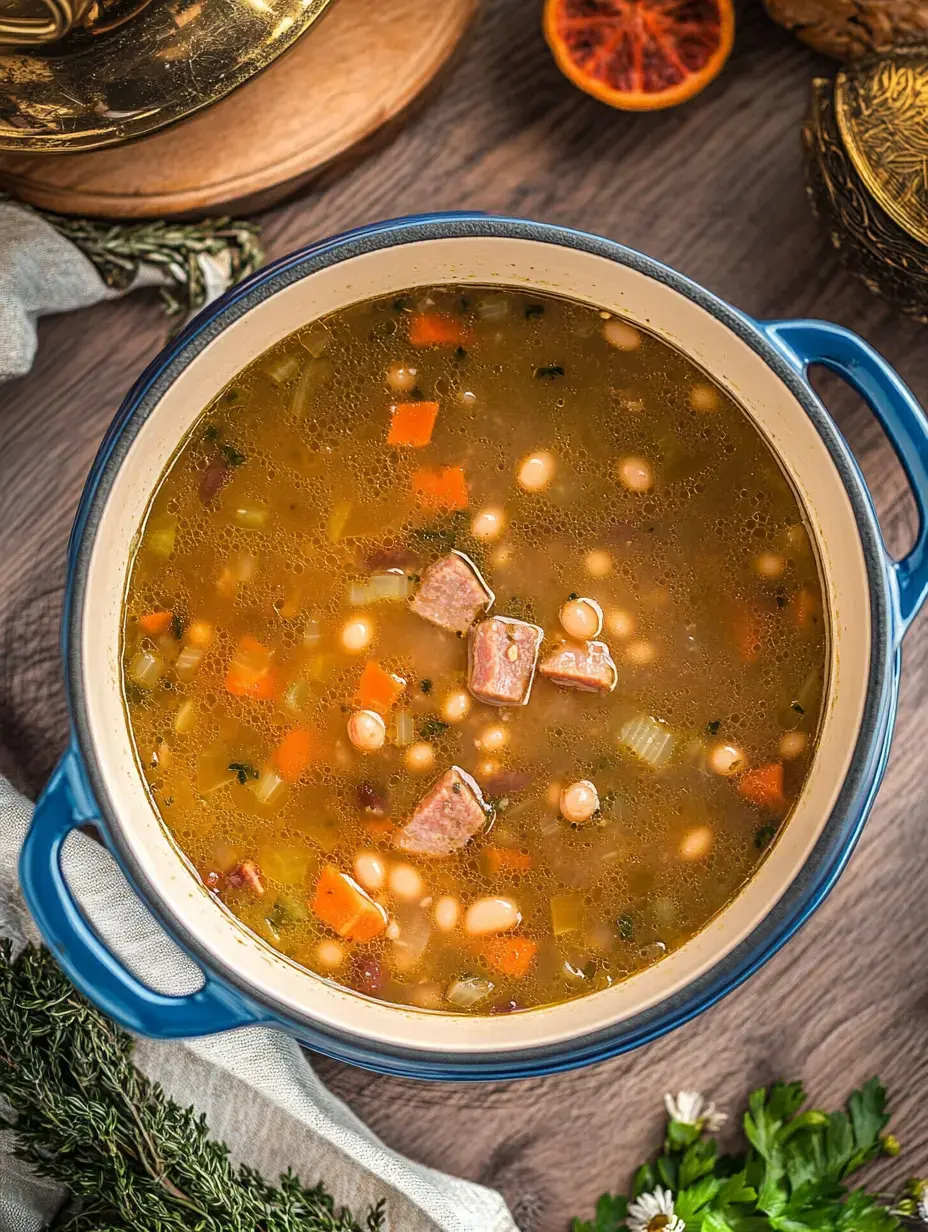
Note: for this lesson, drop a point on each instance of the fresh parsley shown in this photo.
(233, 456)
(791, 1175)
(431, 727)
(243, 771)
(548, 372)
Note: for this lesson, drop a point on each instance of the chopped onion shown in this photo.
(338, 519)
(316, 373)
(186, 718)
(213, 771)
(281, 368)
(160, 535)
(403, 730)
(469, 991)
(393, 587)
(566, 914)
(188, 662)
(296, 696)
(251, 515)
(412, 942)
(492, 308)
(316, 341)
(242, 566)
(146, 668)
(312, 633)
(269, 787)
(647, 739)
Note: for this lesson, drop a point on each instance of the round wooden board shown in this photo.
(346, 81)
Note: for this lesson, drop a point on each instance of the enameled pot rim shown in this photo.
(836, 842)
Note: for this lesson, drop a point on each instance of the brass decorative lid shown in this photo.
(135, 66)
(881, 108)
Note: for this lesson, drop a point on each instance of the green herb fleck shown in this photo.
(572, 596)
(177, 625)
(534, 311)
(432, 727)
(548, 372)
(404, 303)
(764, 835)
(425, 685)
(233, 456)
(798, 707)
(712, 727)
(243, 771)
(464, 303)
(626, 926)
(211, 433)
(231, 396)
(460, 353)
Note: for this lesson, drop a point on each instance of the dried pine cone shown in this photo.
(846, 29)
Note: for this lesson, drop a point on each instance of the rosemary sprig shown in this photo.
(119, 250)
(131, 1158)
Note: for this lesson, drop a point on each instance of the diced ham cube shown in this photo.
(247, 874)
(447, 817)
(503, 654)
(581, 665)
(452, 593)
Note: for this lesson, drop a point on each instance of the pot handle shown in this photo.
(65, 804)
(819, 342)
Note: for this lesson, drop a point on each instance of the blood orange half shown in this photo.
(640, 55)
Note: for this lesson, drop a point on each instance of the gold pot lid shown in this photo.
(139, 66)
(881, 105)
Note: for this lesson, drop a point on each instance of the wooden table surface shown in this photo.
(715, 189)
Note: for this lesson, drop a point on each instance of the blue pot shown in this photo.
(871, 600)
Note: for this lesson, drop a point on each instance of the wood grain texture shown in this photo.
(361, 71)
(714, 189)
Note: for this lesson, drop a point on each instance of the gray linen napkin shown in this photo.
(254, 1085)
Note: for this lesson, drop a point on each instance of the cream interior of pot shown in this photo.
(162, 868)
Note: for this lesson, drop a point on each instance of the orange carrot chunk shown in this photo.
(748, 630)
(155, 623)
(764, 786)
(250, 673)
(509, 955)
(411, 423)
(343, 905)
(378, 689)
(444, 487)
(437, 329)
(805, 608)
(295, 753)
(502, 860)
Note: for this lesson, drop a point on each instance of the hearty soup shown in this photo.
(474, 648)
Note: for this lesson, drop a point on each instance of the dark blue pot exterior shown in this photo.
(77, 793)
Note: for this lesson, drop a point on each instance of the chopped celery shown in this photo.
(287, 863)
(161, 534)
(341, 511)
(281, 368)
(469, 991)
(186, 718)
(251, 515)
(566, 914)
(269, 787)
(647, 739)
(146, 668)
(403, 731)
(393, 586)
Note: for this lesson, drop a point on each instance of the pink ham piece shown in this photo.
(452, 593)
(447, 817)
(503, 654)
(581, 665)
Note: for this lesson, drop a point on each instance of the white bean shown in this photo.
(636, 474)
(419, 757)
(579, 801)
(770, 565)
(447, 912)
(792, 744)
(697, 843)
(492, 738)
(367, 731)
(456, 706)
(489, 523)
(582, 619)
(725, 759)
(536, 471)
(641, 653)
(619, 622)
(704, 398)
(598, 563)
(357, 634)
(404, 882)
(622, 335)
(370, 871)
(401, 378)
(491, 915)
(330, 954)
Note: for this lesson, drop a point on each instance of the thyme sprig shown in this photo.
(131, 1158)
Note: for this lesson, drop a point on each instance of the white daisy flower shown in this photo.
(653, 1212)
(691, 1108)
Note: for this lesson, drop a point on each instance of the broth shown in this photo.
(474, 648)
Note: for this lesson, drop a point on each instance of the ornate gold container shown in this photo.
(866, 152)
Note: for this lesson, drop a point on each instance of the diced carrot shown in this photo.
(444, 487)
(411, 423)
(748, 630)
(764, 786)
(509, 955)
(378, 689)
(343, 905)
(437, 329)
(155, 622)
(501, 860)
(805, 608)
(295, 752)
(200, 634)
(250, 673)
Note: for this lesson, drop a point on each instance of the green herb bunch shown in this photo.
(792, 1175)
(130, 1157)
